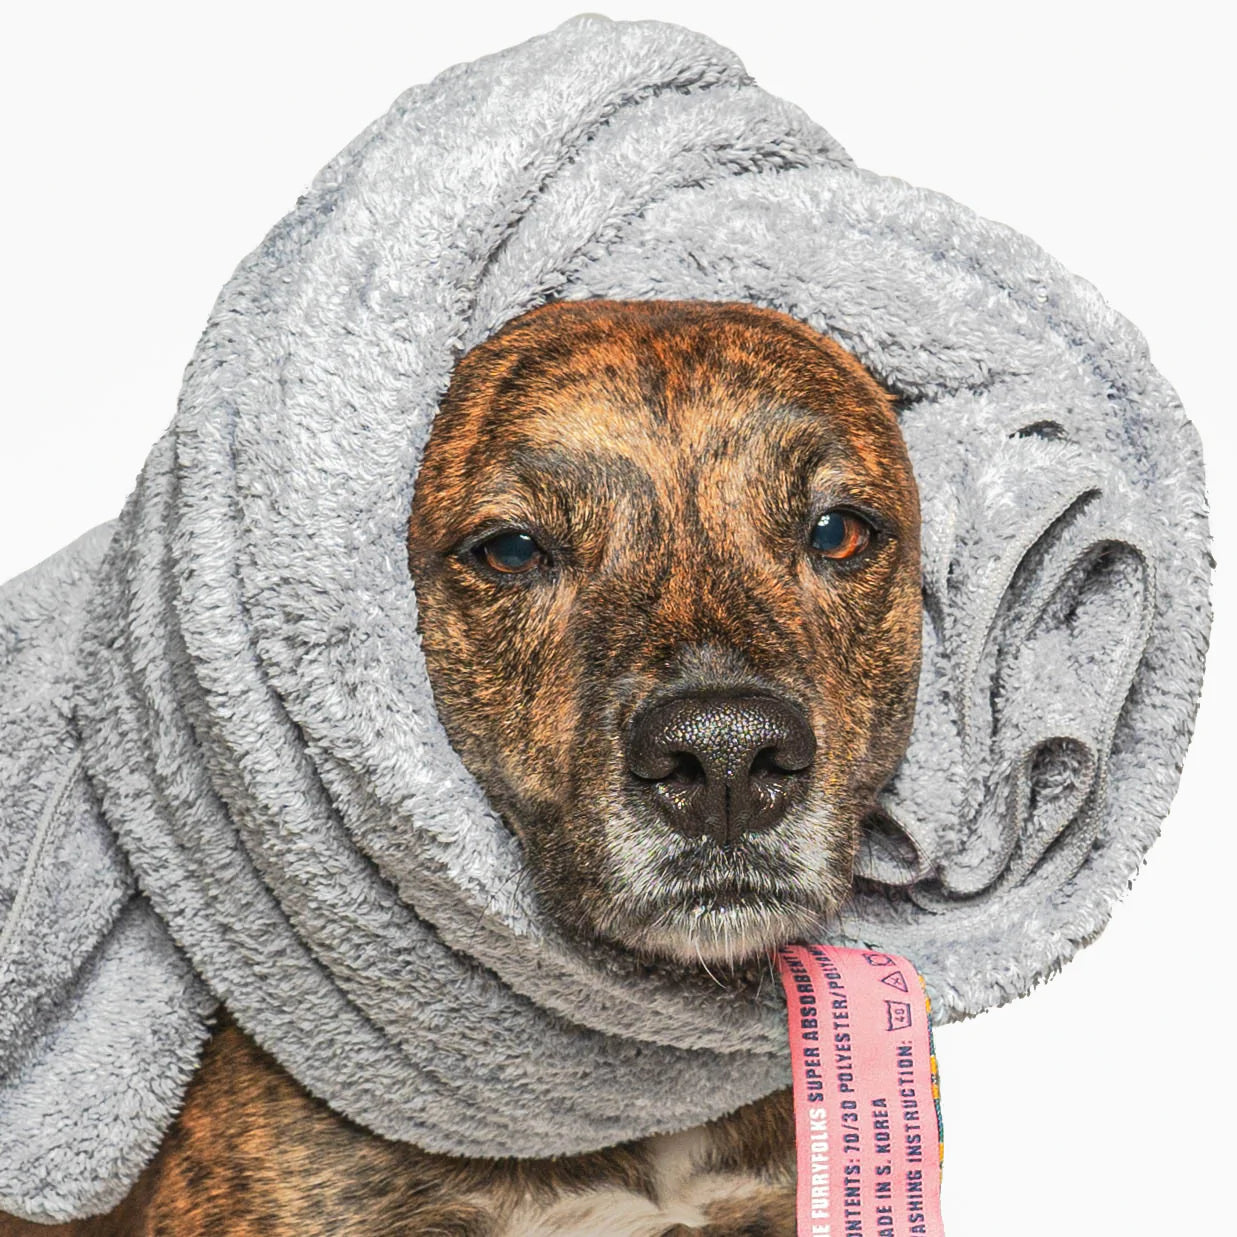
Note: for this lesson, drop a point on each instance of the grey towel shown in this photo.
(222, 777)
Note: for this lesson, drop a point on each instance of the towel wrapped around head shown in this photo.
(222, 776)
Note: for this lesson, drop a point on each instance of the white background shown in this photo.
(147, 149)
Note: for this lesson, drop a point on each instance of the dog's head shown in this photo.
(666, 555)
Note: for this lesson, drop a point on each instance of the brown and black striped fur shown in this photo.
(669, 457)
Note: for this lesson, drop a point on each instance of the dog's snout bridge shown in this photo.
(721, 765)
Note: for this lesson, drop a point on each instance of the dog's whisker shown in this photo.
(704, 964)
(766, 968)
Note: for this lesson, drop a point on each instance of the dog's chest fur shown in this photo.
(688, 1194)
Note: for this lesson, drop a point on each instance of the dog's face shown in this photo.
(666, 556)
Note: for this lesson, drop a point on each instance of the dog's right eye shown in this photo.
(840, 534)
(510, 552)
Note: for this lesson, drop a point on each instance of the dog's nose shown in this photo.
(722, 765)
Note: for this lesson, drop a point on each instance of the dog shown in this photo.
(666, 557)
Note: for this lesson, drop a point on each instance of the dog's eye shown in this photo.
(510, 552)
(841, 534)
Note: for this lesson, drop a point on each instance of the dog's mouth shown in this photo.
(725, 926)
(713, 906)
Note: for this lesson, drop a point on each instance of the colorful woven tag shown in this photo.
(867, 1102)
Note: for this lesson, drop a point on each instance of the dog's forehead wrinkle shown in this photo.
(585, 470)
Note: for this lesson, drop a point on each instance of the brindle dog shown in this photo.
(667, 561)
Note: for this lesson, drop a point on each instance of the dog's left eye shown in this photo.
(841, 534)
(510, 552)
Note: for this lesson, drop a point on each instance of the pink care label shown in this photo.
(867, 1121)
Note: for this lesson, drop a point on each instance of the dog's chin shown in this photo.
(727, 928)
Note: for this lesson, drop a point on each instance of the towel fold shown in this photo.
(222, 775)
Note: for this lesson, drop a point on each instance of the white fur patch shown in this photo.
(683, 1194)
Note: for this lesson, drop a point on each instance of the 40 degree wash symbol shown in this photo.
(899, 1014)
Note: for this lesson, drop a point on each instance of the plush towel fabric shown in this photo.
(222, 777)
